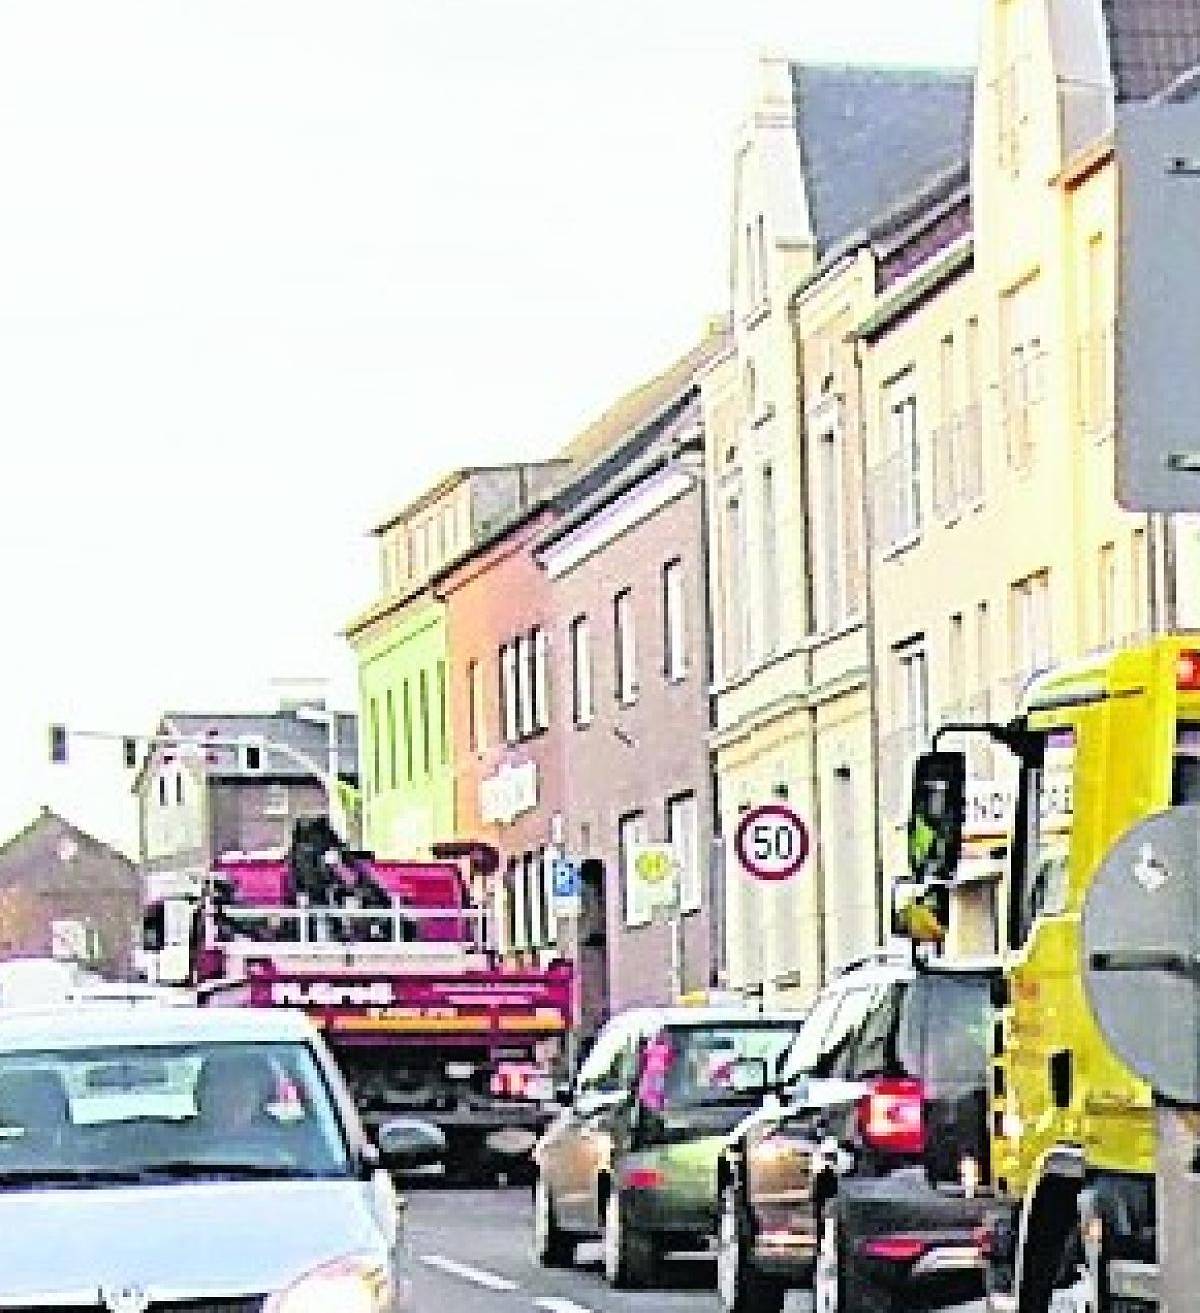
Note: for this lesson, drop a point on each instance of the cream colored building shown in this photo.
(997, 546)
(825, 149)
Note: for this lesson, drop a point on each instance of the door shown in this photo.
(580, 1146)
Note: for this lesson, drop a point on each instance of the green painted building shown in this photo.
(405, 750)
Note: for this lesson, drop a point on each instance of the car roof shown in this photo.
(24, 1029)
(722, 1016)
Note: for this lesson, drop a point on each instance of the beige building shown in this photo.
(824, 151)
(998, 549)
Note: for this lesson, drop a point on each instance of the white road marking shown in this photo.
(476, 1276)
(560, 1306)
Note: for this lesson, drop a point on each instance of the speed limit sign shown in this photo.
(771, 842)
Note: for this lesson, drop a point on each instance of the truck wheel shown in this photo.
(740, 1288)
(628, 1254)
(552, 1247)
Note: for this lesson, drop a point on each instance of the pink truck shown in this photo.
(393, 961)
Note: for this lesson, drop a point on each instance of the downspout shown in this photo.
(1152, 574)
(814, 771)
(869, 624)
(1170, 575)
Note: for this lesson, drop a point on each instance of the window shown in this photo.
(1031, 648)
(828, 532)
(391, 728)
(549, 917)
(474, 707)
(1021, 369)
(443, 726)
(737, 602)
(626, 647)
(631, 832)
(955, 664)
(514, 913)
(426, 757)
(913, 691)
(674, 628)
(769, 563)
(898, 476)
(946, 439)
(607, 1063)
(683, 836)
(508, 692)
(520, 914)
(1096, 345)
(276, 801)
(1043, 885)
(525, 717)
(375, 744)
(1010, 88)
(414, 565)
(442, 544)
(416, 552)
(541, 679)
(179, 788)
(531, 875)
(761, 230)
(1139, 565)
(581, 671)
(162, 790)
(408, 732)
(750, 284)
(386, 579)
(1106, 595)
(983, 647)
(971, 451)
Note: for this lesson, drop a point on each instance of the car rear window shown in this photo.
(694, 1065)
(957, 1029)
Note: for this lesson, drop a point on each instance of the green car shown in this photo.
(633, 1156)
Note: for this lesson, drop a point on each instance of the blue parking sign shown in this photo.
(566, 878)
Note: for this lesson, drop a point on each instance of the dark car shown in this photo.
(861, 1173)
(633, 1158)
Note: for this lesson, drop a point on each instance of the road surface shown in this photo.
(471, 1255)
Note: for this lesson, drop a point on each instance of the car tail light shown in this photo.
(657, 1060)
(891, 1116)
(642, 1178)
(984, 1239)
(1187, 672)
(894, 1248)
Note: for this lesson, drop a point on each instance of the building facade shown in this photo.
(65, 894)
(242, 792)
(825, 150)
(625, 562)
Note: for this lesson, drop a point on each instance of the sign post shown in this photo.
(656, 868)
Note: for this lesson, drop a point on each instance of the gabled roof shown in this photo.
(870, 136)
(44, 836)
(1151, 44)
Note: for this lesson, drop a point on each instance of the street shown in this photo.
(470, 1253)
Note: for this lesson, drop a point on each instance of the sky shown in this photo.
(269, 267)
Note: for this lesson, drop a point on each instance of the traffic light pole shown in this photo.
(201, 743)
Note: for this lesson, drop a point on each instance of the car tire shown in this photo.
(741, 1288)
(628, 1254)
(552, 1246)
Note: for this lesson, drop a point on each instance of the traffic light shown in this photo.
(131, 753)
(58, 745)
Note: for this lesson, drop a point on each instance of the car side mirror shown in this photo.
(406, 1143)
(564, 1095)
(937, 815)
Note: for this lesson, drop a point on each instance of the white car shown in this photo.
(177, 1157)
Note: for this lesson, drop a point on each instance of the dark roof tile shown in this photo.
(1152, 42)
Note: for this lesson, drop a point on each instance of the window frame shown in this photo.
(675, 644)
(583, 694)
(626, 683)
(691, 893)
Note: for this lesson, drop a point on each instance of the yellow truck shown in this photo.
(1116, 738)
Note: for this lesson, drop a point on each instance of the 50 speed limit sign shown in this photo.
(771, 842)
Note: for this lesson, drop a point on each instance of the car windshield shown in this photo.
(688, 1066)
(117, 1113)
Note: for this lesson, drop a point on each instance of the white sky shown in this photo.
(269, 266)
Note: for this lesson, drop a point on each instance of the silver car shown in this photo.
(161, 1158)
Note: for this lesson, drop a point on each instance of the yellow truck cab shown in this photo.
(1098, 747)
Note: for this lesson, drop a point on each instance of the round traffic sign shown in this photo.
(771, 842)
(1141, 951)
(653, 865)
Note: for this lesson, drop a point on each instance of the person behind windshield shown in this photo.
(234, 1092)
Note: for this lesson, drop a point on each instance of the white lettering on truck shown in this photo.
(330, 994)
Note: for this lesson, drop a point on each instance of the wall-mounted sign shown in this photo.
(771, 842)
(510, 793)
(656, 869)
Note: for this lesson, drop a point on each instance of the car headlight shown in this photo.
(349, 1285)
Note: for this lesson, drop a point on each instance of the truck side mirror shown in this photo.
(937, 816)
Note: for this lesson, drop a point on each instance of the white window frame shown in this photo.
(531, 873)
(831, 566)
(520, 915)
(683, 833)
(510, 705)
(675, 662)
(526, 723)
(582, 690)
(768, 506)
(547, 887)
(625, 643)
(541, 679)
(631, 831)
